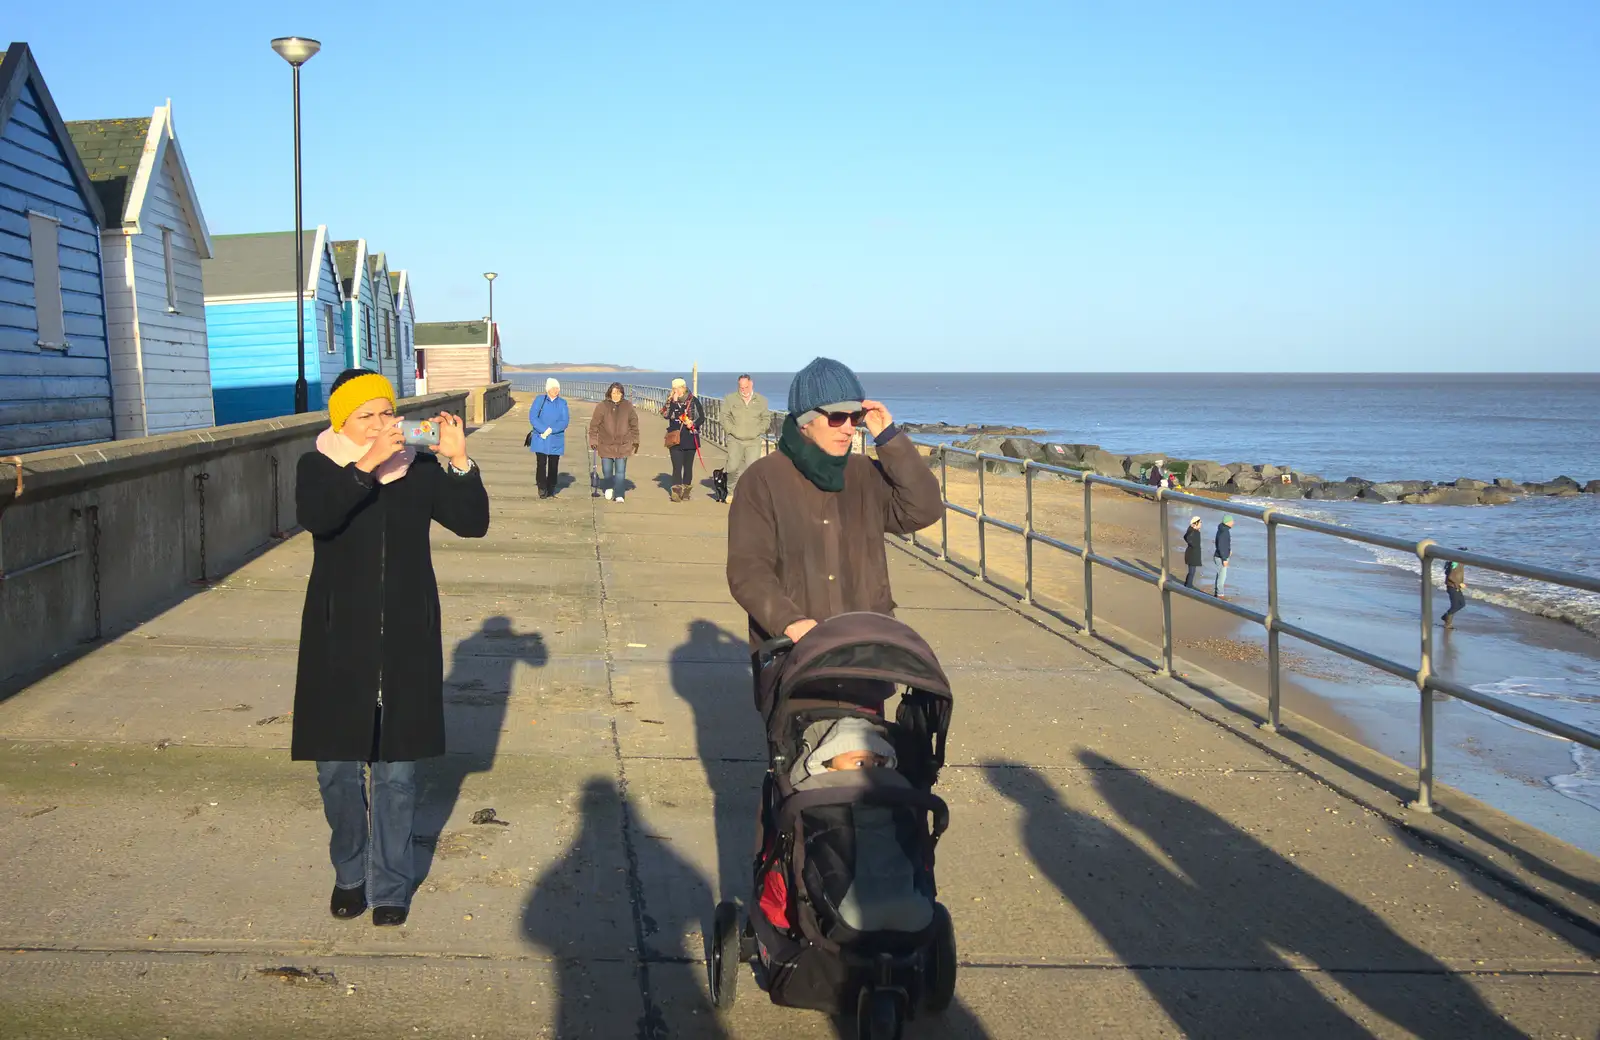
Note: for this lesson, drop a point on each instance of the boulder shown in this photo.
(1564, 482)
(1444, 497)
(1268, 472)
(1375, 493)
(1023, 448)
(1496, 497)
(1245, 483)
(1059, 454)
(988, 443)
(1304, 479)
(1203, 471)
(1592, 488)
(1398, 488)
(1239, 467)
(1278, 489)
(1468, 484)
(1555, 489)
(1104, 463)
(1342, 491)
(1358, 481)
(1506, 484)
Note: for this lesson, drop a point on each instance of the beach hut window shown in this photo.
(366, 329)
(327, 323)
(388, 338)
(166, 257)
(44, 235)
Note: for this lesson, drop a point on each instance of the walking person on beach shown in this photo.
(1219, 555)
(1192, 554)
(1455, 585)
(805, 536)
(746, 418)
(684, 414)
(369, 686)
(549, 418)
(614, 435)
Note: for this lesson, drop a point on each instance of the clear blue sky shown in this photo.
(940, 186)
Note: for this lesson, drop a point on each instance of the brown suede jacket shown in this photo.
(796, 551)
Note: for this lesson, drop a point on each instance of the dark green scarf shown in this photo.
(824, 470)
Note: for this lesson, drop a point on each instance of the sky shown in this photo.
(917, 186)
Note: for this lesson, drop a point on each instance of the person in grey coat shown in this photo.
(746, 419)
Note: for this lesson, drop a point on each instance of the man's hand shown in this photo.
(452, 440)
(877, 417)
(388, 443)
(798, 630)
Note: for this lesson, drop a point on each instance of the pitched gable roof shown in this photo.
(394, 282)
(111, 150)
(452, 334)
(18, 71)
(262, 264)
(346, 254)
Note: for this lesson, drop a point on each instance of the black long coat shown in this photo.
(1192, 555)
(371, 619)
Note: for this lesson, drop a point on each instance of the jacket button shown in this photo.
(830, 577)
(824, 521)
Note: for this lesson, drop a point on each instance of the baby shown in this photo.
(841, 744)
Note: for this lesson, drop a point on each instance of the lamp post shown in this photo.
(494, 368)
(297, 50)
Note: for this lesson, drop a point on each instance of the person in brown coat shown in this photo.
(805, 533)
(614, 435)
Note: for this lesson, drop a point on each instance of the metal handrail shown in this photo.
(1426, 551)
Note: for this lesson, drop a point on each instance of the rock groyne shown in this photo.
(1260, 480)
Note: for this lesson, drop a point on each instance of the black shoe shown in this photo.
(349, 902)
(389, 915)
(543, 493)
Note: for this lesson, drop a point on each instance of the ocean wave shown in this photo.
(1583, 783)
(1573, 699)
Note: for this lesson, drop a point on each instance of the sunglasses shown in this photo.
(840, 418)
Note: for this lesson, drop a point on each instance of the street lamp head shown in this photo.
(491, 275)
(296, 50)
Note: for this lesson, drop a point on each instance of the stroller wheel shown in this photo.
(939, 977)
(879, 1014)
(722, 968)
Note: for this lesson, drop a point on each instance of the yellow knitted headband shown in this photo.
(354, 394)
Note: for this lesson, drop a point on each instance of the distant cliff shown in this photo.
(570, 366)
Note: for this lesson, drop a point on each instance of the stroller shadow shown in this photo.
(585, 916)
(1218, 892)
(476, 694)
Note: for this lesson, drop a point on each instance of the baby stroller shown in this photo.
(843, 916)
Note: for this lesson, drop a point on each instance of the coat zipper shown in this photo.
(383, 570)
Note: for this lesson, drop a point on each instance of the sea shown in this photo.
(1534, 644)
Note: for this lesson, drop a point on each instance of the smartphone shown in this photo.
(420, 433)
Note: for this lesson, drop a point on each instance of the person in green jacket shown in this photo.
(746, 420)
(1455, 585)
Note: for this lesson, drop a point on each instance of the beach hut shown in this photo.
(360, 304)
(250, 323)
(152, 247)
(455, 355)
(406, 328)
(55, 375)
(389, 360)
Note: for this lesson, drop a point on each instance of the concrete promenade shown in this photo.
(1123, 860)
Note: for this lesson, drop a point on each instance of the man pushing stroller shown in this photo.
(805, 532)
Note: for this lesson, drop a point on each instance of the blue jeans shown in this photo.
(1458, 600)
(1222, 575)
(378, 855)
(613, 474)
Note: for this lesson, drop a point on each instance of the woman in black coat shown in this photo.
(369, 687)
(684, 415)
(1192, 555)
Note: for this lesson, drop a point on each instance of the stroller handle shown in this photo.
(774, 646)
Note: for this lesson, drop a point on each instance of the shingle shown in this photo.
(451, 334)
(247, 265)
(111, 150)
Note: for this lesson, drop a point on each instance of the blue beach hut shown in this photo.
(55, 372)
(250, 310)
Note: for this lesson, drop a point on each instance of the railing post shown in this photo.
(1088, 551)
(944, 497)
(983, 557)
(1274, 672)
(1166, 577)
(1424, 799)
(1027, 528)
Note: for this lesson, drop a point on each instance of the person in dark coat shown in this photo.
(1455, 585)
(1221, 554)
(805, 533)
(684, 414)
(369, 692)
(614, 435)
(1192, 554)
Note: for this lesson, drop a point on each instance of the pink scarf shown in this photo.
(344, 451)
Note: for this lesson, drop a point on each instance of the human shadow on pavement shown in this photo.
(476, 694)
(711, 672)
(590, 912)
(1210, 896)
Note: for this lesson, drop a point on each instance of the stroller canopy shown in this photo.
(863, 645)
